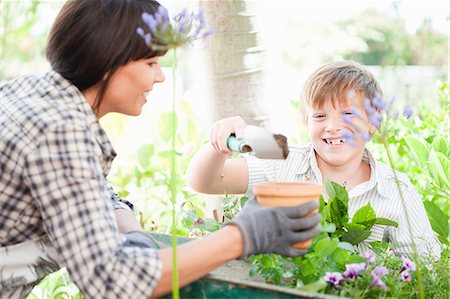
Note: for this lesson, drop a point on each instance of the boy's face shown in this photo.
(326, 128)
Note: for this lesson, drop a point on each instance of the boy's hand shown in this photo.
(275, 230)
(222, 129)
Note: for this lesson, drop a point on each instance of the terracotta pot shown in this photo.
(288, 195)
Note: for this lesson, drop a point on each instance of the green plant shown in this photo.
(165, 34)
(335, 216)
(57, 285)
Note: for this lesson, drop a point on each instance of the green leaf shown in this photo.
(166, 125)
(441, 145)
(438, 220)
(355, 226)
(346, 246)
(144, 155)
(326, 246)
(419, 150)
(209, 225)
(315, 286)
(439, 168)
(356, 236)
(329, 187)
(365, 216)
(384, 221)
(379, 247)
(337, 203)
(340, 256)
(328, 227)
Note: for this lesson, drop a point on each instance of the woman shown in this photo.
(55, 203)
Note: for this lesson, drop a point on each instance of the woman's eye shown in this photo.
(348, 113)
(319, 116)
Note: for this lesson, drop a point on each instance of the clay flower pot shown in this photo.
(288, 195)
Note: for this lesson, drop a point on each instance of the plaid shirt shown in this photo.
(54, 198)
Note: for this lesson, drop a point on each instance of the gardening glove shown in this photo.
(139, 239)
(276, 229)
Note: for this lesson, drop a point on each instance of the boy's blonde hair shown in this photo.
(337, 82)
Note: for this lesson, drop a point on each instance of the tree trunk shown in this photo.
(235, 62)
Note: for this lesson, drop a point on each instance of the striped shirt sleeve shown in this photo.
(420, 229)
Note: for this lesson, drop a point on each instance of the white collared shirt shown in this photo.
(380, 190)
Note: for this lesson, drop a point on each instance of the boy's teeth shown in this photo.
(335, 141)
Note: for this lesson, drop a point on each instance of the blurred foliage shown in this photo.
(387, 42)
(415, 144)
(21, 41)
(372, 37)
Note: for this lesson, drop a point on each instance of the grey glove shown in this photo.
(275, 230)
(139, 239)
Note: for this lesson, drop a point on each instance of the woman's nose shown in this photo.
(159, 75)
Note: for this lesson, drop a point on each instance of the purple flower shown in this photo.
(369, 257)
(373, 109)
(380, 271)
(164, 33)
(378, 102)
(349, 137)
(377, 282)
(375, 119)
(333, 278)
(357, 113)
(407, 112)
(408, 264)
(405, 275)
(353, 270)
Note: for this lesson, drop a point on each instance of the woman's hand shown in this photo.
(222, 129)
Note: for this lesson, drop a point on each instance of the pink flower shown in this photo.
(353, 270)
(380, 271)
(333, 278)
(369, 257)
(408, 265)
(405, 276)
(377, 282)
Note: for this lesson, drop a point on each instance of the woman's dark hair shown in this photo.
(91, 39)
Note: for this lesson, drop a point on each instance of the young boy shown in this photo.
(333, 92)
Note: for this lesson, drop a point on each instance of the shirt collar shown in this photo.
(311, 155)
(376, 177)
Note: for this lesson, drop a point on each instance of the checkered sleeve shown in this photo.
(64, 175)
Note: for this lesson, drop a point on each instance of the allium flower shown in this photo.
(349, 137)
(333, 278)
(405, 275)
(407, 112)
(164, 34)
(353, 270)
(408, 265)
(380, 271)
(368, 256)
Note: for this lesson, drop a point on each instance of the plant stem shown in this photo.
(416, 259)
(173, 195)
